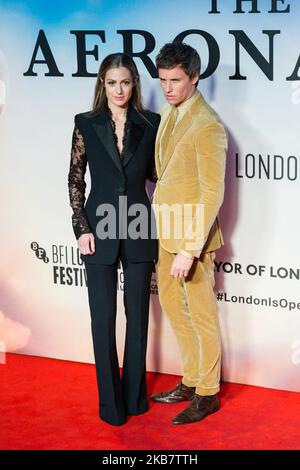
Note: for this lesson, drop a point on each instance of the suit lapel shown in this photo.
(183, 125)
(159, 134)
(104, 131)
(136, 131)
(181, 128)
(157, 144)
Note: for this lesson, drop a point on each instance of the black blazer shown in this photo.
(94, 143)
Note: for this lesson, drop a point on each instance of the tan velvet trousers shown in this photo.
(190, 305)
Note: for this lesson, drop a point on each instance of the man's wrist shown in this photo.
(186, 254)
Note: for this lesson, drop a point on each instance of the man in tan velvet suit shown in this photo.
(191, 148)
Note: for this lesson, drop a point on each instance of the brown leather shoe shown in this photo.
(198, 409)
(180, 393)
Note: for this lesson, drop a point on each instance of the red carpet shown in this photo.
(52, 404)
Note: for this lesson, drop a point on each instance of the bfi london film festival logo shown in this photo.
(40, 252)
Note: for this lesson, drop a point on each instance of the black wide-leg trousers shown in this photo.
(119, 397)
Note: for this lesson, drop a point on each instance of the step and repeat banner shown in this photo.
(49, 58)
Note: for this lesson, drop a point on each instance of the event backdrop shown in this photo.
(49, 56)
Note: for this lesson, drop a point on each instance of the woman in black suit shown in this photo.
(117, 140)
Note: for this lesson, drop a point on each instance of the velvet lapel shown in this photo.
(157, 145)
(183, 125)
(181, 128)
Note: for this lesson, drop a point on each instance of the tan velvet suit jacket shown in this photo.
(191, 174)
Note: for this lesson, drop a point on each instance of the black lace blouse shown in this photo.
(125, 134)
(77, 184)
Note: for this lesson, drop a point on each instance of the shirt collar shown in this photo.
(183, 107)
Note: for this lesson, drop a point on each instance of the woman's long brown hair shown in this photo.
(114, 61)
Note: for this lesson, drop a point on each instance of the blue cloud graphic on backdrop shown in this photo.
(47, 12)
(167, 12)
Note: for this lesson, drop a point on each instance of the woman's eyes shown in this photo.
(127, 82)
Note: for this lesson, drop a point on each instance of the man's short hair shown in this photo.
(178, 53)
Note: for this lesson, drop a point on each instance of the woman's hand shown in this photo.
(86, 244)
